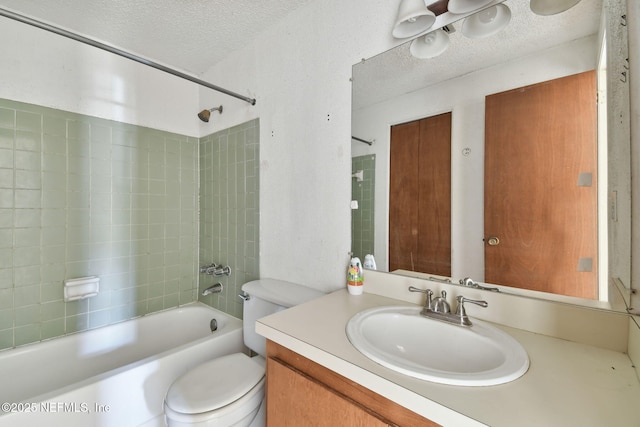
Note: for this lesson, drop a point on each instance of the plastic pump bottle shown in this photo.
(355, 278)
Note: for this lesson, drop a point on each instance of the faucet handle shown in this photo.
(219, 271)
(471, 284)
(467, 282)
(462, 313)
(429, 292)
(462, 300)
(205, 269)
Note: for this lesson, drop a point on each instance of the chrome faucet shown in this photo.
(438, 308)
(213, 289)
(222, 270)
(440, 304)
(209, 269)
(471, 284)
(214, 269)
(461, 313)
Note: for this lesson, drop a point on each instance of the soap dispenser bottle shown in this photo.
(355, 278)
(370, 262)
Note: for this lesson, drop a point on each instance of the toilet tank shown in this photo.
(268, 296)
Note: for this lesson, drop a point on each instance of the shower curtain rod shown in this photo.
(362, 140)
(116, 51)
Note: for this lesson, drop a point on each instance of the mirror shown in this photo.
(394, 88)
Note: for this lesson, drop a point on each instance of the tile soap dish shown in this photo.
(81, 288)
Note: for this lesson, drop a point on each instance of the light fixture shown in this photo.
(551, 7)
(466, 6)
(487, 22)
(430, 45)
(413, 18)
(204, 115)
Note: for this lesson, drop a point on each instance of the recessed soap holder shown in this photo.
(81, 288)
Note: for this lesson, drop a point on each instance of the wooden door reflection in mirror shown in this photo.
(420, 196)
(541, 187)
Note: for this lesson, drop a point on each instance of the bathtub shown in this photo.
(116, 375)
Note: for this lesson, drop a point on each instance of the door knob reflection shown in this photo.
(493, 241)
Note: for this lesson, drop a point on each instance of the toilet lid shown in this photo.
(214, 384)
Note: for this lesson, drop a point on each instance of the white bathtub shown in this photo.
(112, 376)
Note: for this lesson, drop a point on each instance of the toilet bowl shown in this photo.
(229, 390)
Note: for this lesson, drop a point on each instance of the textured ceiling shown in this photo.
(193, 35)
(397, 72)
(189, 35)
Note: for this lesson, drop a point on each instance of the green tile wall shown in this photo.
(229, 218)
(362, 219)
(83, 196)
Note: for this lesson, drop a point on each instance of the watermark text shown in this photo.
(53, 407)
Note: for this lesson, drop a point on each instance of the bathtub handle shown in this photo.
(219, 271)
(244, 297)
(208, 269)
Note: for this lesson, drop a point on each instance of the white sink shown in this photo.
(399, 338)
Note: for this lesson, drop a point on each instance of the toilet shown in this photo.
(229, 390)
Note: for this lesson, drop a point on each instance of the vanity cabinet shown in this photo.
(301, 392)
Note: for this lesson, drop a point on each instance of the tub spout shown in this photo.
(214, 289)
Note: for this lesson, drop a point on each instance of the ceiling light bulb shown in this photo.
(487, 16)
(430, 38)
(431, 45)
(466, 6)
(413, 18)
(487, 22)
(551, 7)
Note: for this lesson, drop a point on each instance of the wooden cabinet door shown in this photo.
(420, 196)
(295, 399)
(541, 187)
(301, 392)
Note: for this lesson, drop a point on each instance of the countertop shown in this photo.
(567, 383)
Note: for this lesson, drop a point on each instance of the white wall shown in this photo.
(39, 67)
(633, 14)
(299, 72)
(464, 96)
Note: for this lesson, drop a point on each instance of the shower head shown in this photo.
(204, 115)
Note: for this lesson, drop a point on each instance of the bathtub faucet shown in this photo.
(215, 270)
(214, 289)
(209, 269)
(221, 270)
